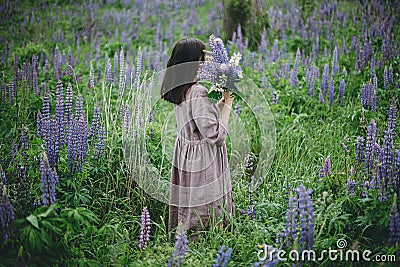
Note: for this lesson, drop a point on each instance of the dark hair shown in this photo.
(179, 77)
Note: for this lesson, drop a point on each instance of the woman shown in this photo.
(201, 191)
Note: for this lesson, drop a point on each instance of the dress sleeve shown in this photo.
(206, 116)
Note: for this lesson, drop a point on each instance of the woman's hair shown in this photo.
(178, 78)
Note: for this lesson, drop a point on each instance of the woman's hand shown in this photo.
(228, 97)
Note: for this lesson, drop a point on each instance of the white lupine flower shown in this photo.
(235, 59)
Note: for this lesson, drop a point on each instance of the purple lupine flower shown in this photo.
(370, 149)
(289, 234)
(139, 68)
(386, 79)
(274, 52)
(386, 159)
(144, 236)
(313, 77)
(238, 109)
(52, 142)
(125, 115)
(262, 48)
(359, 149)
(91, 76)
(77, 136)
(396, 170)
(331, 92)
(249, 164)
(95, 124)
(6, 213)
(335, 63)
(368, 96)
(116, 65)
(181, 245)
(392, 116)
(68, 104)
(79, 106)
(306, 212)
(35, 83)
(16, 72)
(326, 170)
(122, 70)
(390, 75)
(293, 75)
(44, 118)
(49, 180)
(223, 257)
(394, 225)
(101, 141)
(350, 186)
(324, 81)
(108, 71)
(342, 88)
(60, 111)
(11, 92)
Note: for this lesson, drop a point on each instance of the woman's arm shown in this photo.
(227, 106)
(220, 103)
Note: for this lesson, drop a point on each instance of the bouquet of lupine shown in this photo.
(218, 68)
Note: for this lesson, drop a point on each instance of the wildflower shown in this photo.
(335, 63)
(306, 212)
(394, 225)
(391, 116)
(342, 88)
(6, 213)
(181, 246)
(370, 149)
(293, 75)
(144, 236)
(95, 124)
(331, 92)
(359, 149)
(223, 257)
(238, 109)
(326, 170)
(49, 180)
(219, 69)
(289, 234)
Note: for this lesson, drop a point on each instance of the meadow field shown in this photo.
(86, 142)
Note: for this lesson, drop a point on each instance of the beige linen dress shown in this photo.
(201, 190)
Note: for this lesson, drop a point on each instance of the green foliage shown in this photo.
(249, 16)
(25, 53)
(236, 12)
